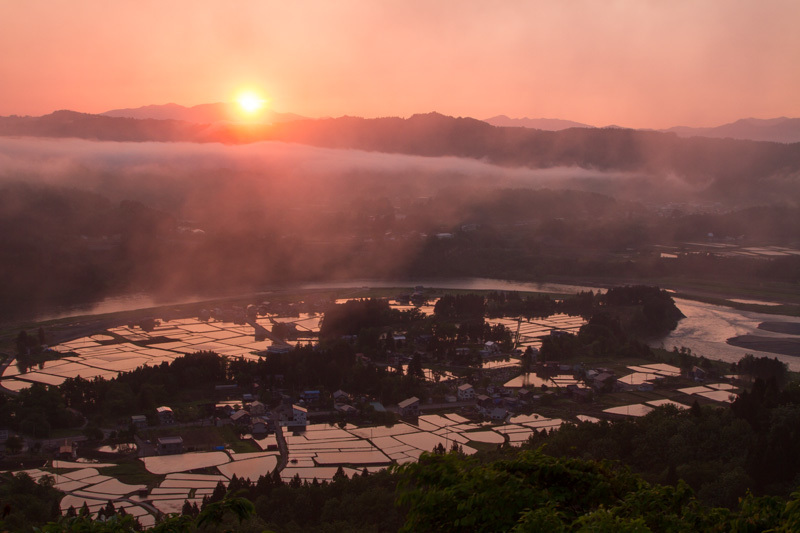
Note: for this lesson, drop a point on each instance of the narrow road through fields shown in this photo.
(283, 447)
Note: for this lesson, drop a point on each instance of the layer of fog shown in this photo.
(166, 175)
(217, 219)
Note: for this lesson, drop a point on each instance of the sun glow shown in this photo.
(250, 102)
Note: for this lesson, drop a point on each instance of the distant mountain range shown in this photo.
(199, 114)
(547, 124)
(697, 160)
(781, 130)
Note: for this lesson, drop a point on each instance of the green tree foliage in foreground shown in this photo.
(25, 503)
(522, 491)
(530, 491)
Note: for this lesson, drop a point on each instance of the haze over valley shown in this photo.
(120, 205)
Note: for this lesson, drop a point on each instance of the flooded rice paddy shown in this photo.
(126, 348)
(316, 453)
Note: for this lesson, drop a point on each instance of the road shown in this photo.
(283, 447)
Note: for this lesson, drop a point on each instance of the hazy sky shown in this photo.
(635, 63)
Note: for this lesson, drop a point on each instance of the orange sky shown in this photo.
(635, 63)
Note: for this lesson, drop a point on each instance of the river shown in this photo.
(704, 330)
(132, 302)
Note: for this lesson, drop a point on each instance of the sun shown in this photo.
(250, 102)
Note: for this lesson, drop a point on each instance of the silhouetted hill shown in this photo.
(201, 114)
(699, 159)
(87, 126)
(782, 130)
(724, 166)
(547, 124)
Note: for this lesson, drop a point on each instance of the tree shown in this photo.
(213, 513)
(14, 444)
(186, 510)
(415, 367)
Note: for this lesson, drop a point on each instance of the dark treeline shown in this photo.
(40, 409)
(187, 378)
(637, 311)
(353, 316)
(363, 503)
(601, 337)
(721, 453)
(461, 306)
(37, 411)
(145, 388)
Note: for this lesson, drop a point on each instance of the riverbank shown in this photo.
(775, 345)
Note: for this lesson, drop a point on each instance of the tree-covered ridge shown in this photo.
(642, 311)
(25, 503)
(531, 491)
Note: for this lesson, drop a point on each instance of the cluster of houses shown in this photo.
(251, 418)
(493, 403)
(496, 402)
(165, 417)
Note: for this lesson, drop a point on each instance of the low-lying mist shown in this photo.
(81, 219)
(157, 171)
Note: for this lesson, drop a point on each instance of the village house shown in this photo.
(579, 394)
(68, 451)
(484, 401)
(241, 417)
(165, 415)
(169, 445)
(311, 397)
(490, 349)
(259, 426)
(524, 395)
(226, 391)
(347, 409)
(498, 414)
(278, 349)
(299, 416)
(604, 382)
(257, 408)
(139, 421)
(340, 396)
(409, 407)
(697, 374)
(466, 392)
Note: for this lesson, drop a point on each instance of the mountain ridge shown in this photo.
(200, 114)
(781, 129)
(698, 159)
(547, 124)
